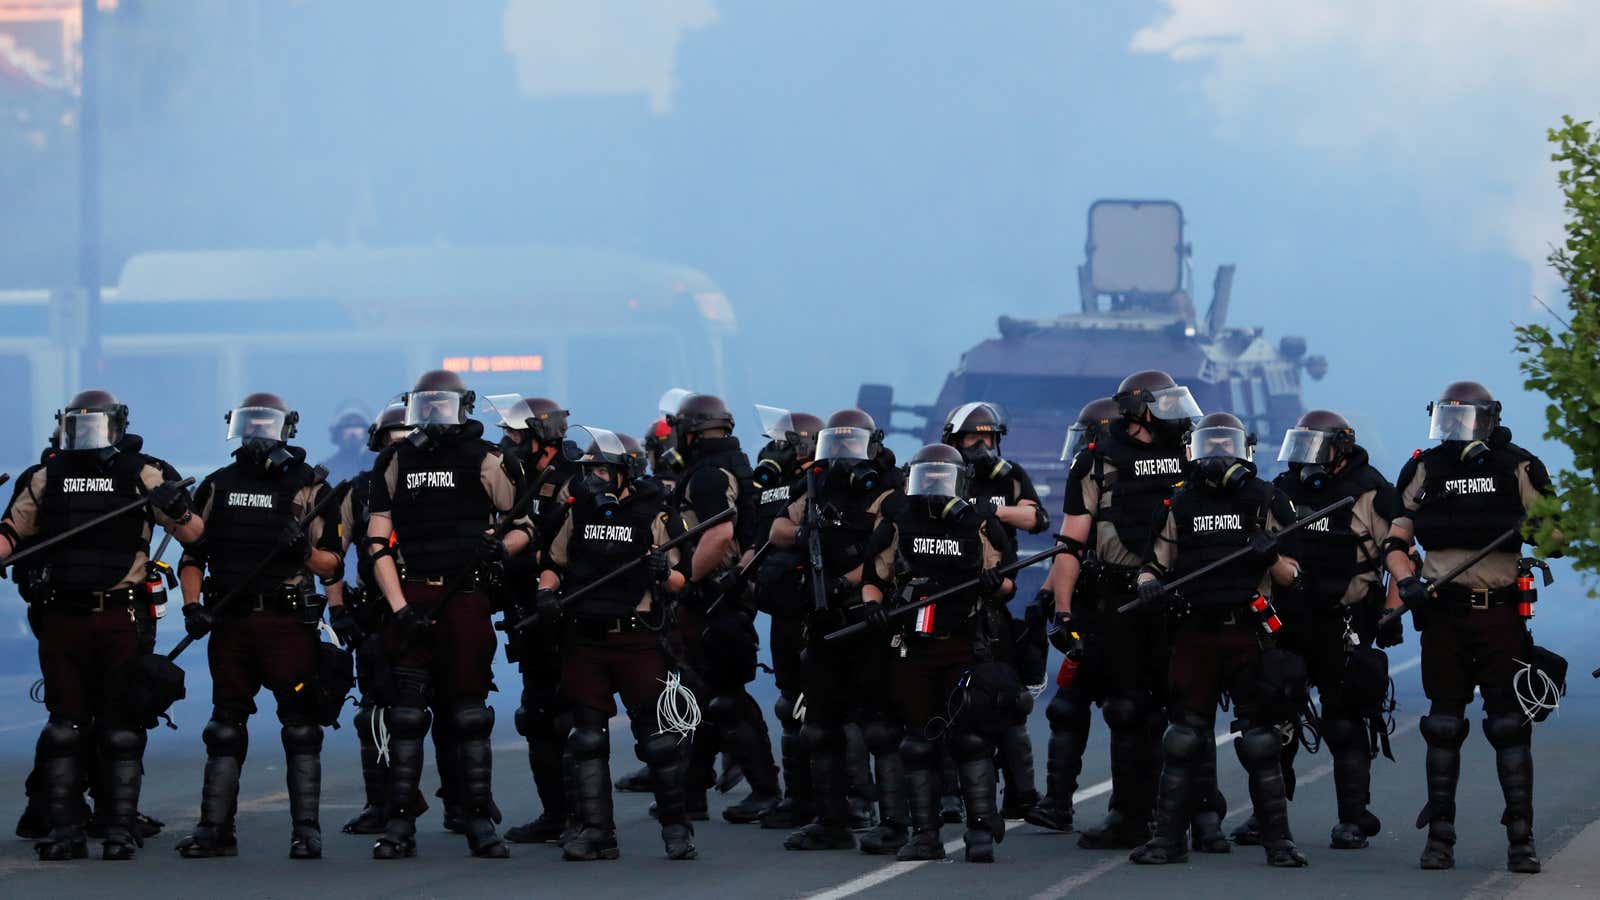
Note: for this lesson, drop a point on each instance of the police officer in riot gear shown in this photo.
(86, 589)
(716, 625)
(613, 637)
(976, 429)
(852, 500)
(780, 593)
(360, 612)
(1137, 466)
(1221, 636)
(348, 434)
(1068, 711)
(438, 493)
(266, 636)
(534, 431)
(945, 684)
(1457, 498)
(1330, 613)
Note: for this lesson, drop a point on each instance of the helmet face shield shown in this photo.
(86, 430)
(588, 446)
(425, 408)
(936, 479)
(1306, 445)
(1219, 442)
(1077, 439)
(1452, 421)
(980, 418)
(258, 423)
(843, 443)
(671, 400)
(1173, 403)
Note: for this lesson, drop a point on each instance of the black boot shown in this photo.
(751, 746)
(302, 752)
(1208, 806)
(1444, 736)
(635, 782)
(890, 834)
(122, 756)
(408, 726)
(596, 838)
(1182, 751)
(1016, 760)
(1069, 734)
(795, 809)
(1512, 739)
(1126, 825)
(976, 771)
(59, 745)
(374, 778)
(227, 744)
(922, 801)
(1352, 782)
(829, 778)
(1259, 752)
(34, 824)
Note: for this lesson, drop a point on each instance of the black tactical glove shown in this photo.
(343, 623)
(547, 604)
(490, 548)
(1061, 636)
(726, 584)
(876, 617)
(197, 620)
(413, 622)
(841, 586)
(172, 498)
(293, 541)
(658, 567)
(990, 581)
(1153, 594)
(1263, 548)
(1413, 592)
(1391, 633)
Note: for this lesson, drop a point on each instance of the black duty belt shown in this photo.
(1478, 598)
(91, 601)
(592, 627)
(284, 599)
(472, 582)
(1118, 582)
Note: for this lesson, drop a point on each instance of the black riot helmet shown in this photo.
(939, 475)
(1222, 450)
(440, 399)
(699, 413)
(849, 434)
(1465, 411)
(661, 445)
(987, 423)
(791, 444)
(593, 449)
(1316, 445)
(263, 424)
(91, 420)
(636, 460)
(349, 428)
(391, 421)
(1091, 425)
(1153, 400)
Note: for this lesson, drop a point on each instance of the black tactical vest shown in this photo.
(600, 544)
(724, 454)
(440, 508)
(1142, 479)
(249, 511)
(1212, 524)
(847, 522)
(940, 554)
(77, 489)
(772, 504)
(992, 494)
(1328, 550)
(1464, 506)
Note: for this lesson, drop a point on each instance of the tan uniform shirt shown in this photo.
(1498, 569)
(23, 517)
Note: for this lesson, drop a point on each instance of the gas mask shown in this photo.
(1313, 475)
(985, 461)
(268, 455)
(858, 475)
(951, 509)
(1223, 472)
(602, 493)
(776, 462)
(1472, 451)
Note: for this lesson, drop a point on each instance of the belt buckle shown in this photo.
(260, 603)
(434, 582)
(99, 601)
(616, 627)
(1479, 598)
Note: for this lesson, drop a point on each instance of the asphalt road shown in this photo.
(747, 861)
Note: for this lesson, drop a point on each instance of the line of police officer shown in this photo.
(826, 531)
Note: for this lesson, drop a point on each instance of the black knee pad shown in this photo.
(519, 720)
(784, 710)
(882, 737)
(301, 740)
(1182, 743)
(1122, 713)
(1022, 705)
(225, 739)
(1258, 747)
(407, 721)
(658, 749)
(60, 738)
(1447, 732)
(472, 721)
(919, 753)
(969, 745)
(814, 738)
(1342, 733)
(589, 743)
(363, 720)
(123, 743)
(1062, 711)
(724, 709)
(1507, 731)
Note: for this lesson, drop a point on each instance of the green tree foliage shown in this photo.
(1564, 365)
